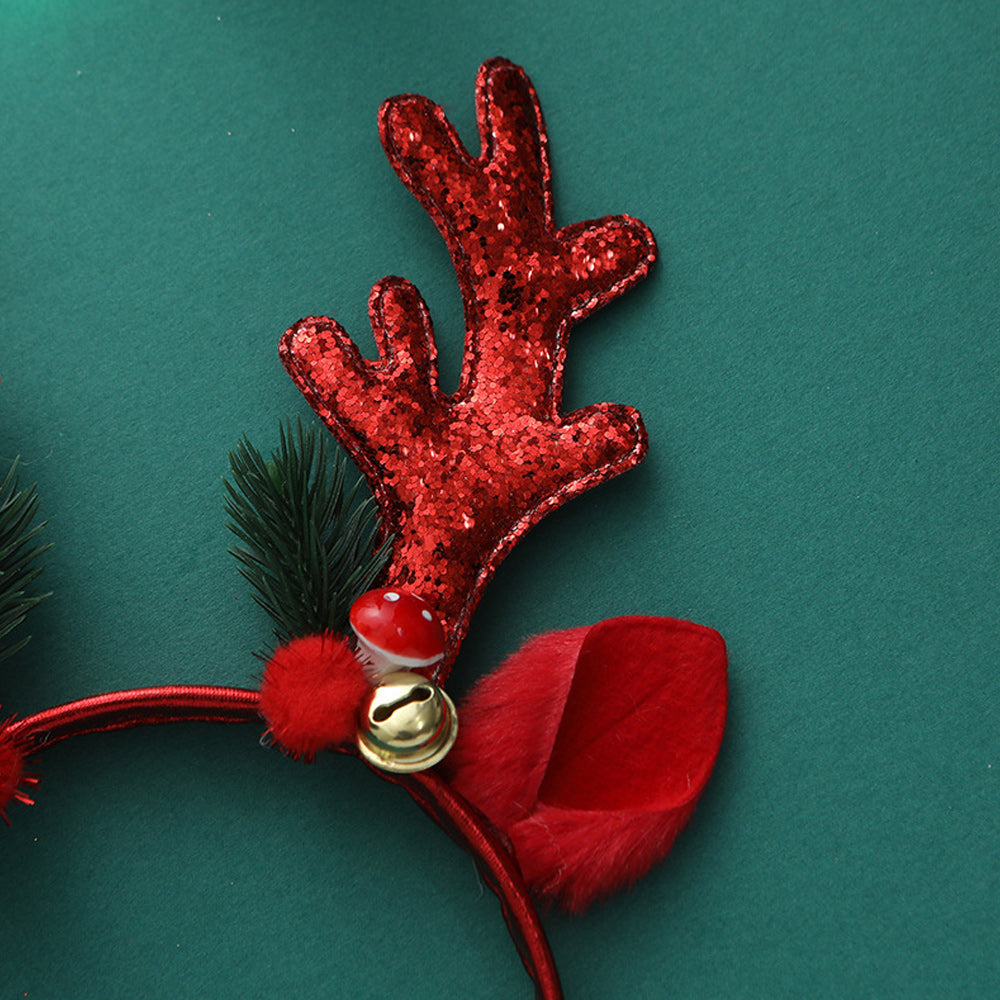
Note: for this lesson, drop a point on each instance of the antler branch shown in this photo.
(460, 478)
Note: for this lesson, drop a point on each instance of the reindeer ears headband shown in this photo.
(578, 761)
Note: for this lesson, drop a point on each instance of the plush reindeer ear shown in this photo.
(590, 748)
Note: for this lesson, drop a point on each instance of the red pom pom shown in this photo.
(12, 776)
(310, 694)
(589, 749)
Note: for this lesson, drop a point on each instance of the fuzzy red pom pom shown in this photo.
(12, 776)
(589, 748)
(310, 694)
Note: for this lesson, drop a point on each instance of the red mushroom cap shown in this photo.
(399, 627)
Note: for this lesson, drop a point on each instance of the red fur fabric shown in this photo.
(310, 694)
(589, 748)
(11, 774)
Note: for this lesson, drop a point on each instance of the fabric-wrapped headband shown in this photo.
(570, 770)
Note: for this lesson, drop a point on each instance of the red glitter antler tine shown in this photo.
(344, 374)
(345, 385)
(423, 147)
(606, 257)
(404, 336)
(512, 132)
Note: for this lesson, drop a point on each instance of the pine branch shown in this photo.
(17, 558)
(308, 543)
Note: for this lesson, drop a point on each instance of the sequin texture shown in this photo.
(459, 479)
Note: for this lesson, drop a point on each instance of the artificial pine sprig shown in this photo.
(18, 568)
(308, 543)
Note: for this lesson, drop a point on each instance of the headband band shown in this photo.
(577, 763)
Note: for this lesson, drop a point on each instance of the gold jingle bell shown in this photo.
(406, 723)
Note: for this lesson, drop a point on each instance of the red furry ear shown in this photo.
(589, 749)
(310, 694)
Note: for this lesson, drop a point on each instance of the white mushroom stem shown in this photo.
(378, 662)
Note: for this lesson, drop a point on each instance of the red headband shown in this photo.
(584, 755)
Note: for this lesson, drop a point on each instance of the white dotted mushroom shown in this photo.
(396, 631)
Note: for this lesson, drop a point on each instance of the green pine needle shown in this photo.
(17, 558)
(308, 544)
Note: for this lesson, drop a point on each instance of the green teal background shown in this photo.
(816, 358)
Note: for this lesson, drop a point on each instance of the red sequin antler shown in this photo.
(458, 479)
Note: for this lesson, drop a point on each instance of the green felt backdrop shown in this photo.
(817, 362)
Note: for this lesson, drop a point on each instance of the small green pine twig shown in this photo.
(18, 556)
(307, 542)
